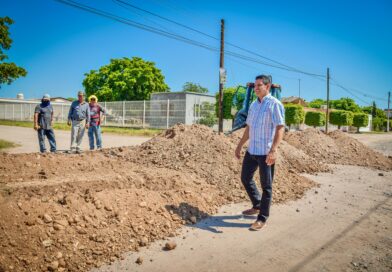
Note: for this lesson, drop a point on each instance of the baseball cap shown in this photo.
(46, 96)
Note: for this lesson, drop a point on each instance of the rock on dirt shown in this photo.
(170, 245)
(139, 260)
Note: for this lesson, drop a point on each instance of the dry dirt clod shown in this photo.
(47, 218)
(53, 266)
(170, 245)
(139, 260)
(47, 243)
(143, 204)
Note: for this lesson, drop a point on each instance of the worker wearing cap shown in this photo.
(43, 118)
(96, 118)
(79, 118)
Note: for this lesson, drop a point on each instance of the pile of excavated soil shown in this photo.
(72, 212)
(337, 148)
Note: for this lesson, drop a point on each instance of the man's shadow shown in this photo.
(206, 221)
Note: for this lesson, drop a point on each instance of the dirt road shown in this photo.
(345, 225)
(379, 142)
(27, 139)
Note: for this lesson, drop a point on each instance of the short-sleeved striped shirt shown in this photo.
(263, 117)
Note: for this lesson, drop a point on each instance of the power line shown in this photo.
(288, 68)
(350, 92)
(162, 32)
(136, 24)
(200, 44)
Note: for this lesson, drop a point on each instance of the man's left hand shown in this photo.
(271, 158)
(87, 126)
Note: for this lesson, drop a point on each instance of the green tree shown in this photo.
(125, 79)
(228, 94)
(360, 120)
(378, 124)
(317, 103)
(374, 109)
(193, 88)
(341, 118)
(315, 118)
(294, 114)
(345, 103)
(9, 71)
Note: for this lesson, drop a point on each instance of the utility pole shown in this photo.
(221, 77)
(389, 100)
(327, 114)
(299, 88)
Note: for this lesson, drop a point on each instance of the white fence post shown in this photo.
(144, 113)
(123, 118)
(30, 112)
(62, 113)
(13, 111)
(167, 113)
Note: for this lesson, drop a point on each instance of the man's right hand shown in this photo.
(238, 152)
(69, 122)
(36, 126)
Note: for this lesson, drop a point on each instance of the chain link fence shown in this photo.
(141, 114)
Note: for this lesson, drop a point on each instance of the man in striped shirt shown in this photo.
(264, 130)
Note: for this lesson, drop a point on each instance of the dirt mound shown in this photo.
(337, 148)
(72, 212)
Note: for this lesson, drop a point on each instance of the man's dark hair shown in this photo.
(266, 79)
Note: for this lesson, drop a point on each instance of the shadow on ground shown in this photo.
(208, 222)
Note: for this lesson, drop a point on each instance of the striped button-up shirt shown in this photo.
(263, 117)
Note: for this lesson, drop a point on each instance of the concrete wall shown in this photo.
(191, 99)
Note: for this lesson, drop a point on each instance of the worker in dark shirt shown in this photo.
(43, 118)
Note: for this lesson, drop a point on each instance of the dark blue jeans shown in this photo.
(95, 131)
(249, 167)
(41, 139)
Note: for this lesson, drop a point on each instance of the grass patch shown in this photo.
(5, 144)
(148, 132)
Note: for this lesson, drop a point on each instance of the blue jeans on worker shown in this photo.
(95, 132)
(41, 139)
(249, 167)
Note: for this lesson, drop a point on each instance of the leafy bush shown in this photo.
(193, 88)
(208, 120)
(294, 114)
(317, 103)
(315, 118)
(341, 118)
(360, 120)
(378, 124)
(228, 94)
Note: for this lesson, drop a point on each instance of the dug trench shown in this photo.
(74, 212)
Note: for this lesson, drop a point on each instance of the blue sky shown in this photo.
(57, 44)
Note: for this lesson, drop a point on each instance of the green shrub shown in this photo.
(226, 103)
(360, 120)
(315, 118)
(294, 114)
(341, 118)
(378, 124)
